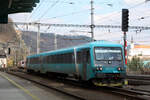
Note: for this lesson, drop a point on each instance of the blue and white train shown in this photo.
(100, 62)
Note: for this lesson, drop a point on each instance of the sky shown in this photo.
(106, 12)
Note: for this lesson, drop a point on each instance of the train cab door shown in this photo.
(85, 62)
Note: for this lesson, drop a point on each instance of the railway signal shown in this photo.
(125, 15)
(125, 19)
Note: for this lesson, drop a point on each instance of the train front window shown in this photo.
(108, 53)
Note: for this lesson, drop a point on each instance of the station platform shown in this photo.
(14, 88)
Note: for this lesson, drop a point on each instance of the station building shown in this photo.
(142, 51)
(3, 59)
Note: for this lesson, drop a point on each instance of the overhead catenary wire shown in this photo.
(49, 8)
(118, 12)
(72, 13)
(82, 26)
(35, 10)
(38, 8)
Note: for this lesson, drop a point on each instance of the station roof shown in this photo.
(19, 6)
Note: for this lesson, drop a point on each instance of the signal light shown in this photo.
(125, 15)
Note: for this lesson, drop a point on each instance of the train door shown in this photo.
(85, 62)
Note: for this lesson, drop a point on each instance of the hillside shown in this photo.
(7, 32)
(47, 41)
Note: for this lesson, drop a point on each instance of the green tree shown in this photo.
(135, 64)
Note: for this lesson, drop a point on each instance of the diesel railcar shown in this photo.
(100, 62)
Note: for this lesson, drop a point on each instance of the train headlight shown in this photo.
(119, 69)
(97, 69)
(100, 68)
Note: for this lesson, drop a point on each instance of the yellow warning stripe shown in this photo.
(111, 84)
(19, 86)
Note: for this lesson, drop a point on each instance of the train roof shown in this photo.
(81, 46)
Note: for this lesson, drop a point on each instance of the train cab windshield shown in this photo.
(108, 53)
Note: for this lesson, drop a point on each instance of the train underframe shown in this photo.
(101, 79)
(117, 80)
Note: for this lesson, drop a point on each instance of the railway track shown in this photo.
(131, 92)
(139, 79)
(84, 92)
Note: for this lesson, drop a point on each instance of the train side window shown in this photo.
(88, 56)
(83, 55)
(79, 57)
(72, 58)
(45, 59)
(69, 58)
(53, 59)
(35, 60)
(49, 59)
(31, 61)
(63, 58)
(58, 58)
(66, 58)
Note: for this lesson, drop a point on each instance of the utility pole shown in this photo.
(92, 20)
(55, 41)
(38, 39)
(30, 48)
